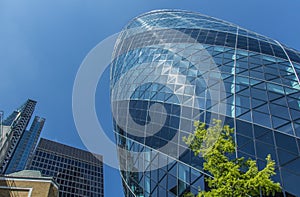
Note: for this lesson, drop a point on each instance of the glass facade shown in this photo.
(25, 148)
(78, 172)
(15, 126)
(171, 68)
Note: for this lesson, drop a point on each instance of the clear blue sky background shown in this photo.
(43, 42)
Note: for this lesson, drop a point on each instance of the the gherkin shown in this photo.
(173, 67)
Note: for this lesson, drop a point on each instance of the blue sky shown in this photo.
(42, 44)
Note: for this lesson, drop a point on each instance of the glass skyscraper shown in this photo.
(26, 146)
(16, 143)
(171, 68)
(78, 172)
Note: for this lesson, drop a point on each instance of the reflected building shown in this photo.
(171, 68)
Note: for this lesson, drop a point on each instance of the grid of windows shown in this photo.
(198, 68)
(78, 173)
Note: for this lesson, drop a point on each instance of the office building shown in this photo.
(16, 142)
(171, 68)
(25, 148)
(78, 172)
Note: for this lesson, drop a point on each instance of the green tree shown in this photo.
(230, 176)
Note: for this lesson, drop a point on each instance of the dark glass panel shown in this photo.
(259, 131)
(182, 187)
(230, 40)
(278, 51)
(297, 130)
(242, 42)
(255, 102)
(266, 48)
(291, 182)
(280, 101)
(267, 137)
(162, 191)
(264, 149)
(285, 157)
(220, 39)
(248, 148)
(286, 142)
(245, 155)
(241, 140)
(293, 56)
(287, 129)
(172, 184)
(261, 118)
(246, 116)
(195, 175)
(199, 183)
(279, 111)
(244, 128)
(163, 182)
(274, 96)
(278, 122)
(173, 170)
(258, 94)
(293, 103)
(197, 161)
(186, 154)
(253, 45)
(263, 109)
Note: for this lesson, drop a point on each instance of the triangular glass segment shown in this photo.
(258, 69)
(248, 148)
(280, 101)
(259, 94)
(295, 114)
(261, 118)
(274, 96)
(285, 157)
(280, 111)
(246, 116)
(287, 129)
(297, 129)
(278, 122)
(239, 87)
(245, 92)
(240, 70)
(259, 131)
(267, 138)
(263, 109)
(255, 103)
(240, 110)
(242, 140)
(270, 77)
(289, 91)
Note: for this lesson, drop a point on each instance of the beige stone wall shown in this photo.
(13, 192)
(39, 189)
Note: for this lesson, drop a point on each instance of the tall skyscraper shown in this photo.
(16, 145)
(25, 148)
(78, 172)
(171, 68)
